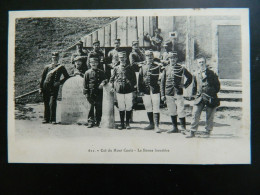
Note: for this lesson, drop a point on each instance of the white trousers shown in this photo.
(175, 105)
(152, 102)
(125, 101)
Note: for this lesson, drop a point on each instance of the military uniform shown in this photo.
(135, 57)
(92, 80)
(123, 81)
(83, 58)
(148, 83)
(206, 86)
(156, 42)
(171, 86)
(49, 85)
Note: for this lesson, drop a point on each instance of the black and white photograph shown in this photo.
(158, 86)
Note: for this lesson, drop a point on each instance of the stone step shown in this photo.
(230, 89)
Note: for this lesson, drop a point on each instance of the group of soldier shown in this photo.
(155, 79)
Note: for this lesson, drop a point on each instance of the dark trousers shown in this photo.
(50, 105)
(95, 112)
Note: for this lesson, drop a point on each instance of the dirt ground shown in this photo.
(37, 142)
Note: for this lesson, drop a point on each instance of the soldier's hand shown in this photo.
(112, 90)
(163, 98)
(40, 91)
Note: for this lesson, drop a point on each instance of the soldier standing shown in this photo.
(136, 57)
(94, 79)
(113, 54)
(172, 83)
(96, 53)
(79, 56)
(49, 87)
(156, 40)
(124, 81)
(148, 85)
(206, 86)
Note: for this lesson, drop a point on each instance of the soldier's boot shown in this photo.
(190, 134)
(183, 125)
(128, 116)
(157, 122)
(151, 125)
(122, 120)
(174, 125)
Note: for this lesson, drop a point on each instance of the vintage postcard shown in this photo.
(158, 86)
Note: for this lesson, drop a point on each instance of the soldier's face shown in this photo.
(96, 46)
(78, 64)
(94, 65)
(79, 47)
(201, 63)
(135, 46)
(117, 44)
(149, 58)
(122, 60)
(173, 60)
(55, 59)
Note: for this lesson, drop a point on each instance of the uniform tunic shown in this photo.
(113, 57)
(148, 83)
(49, 85)
(123, 80)
(135, 57)
(92, 80)
(172, 78)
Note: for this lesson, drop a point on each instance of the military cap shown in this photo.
(135, 42)
(93, 59)
(122, 54)
(117, 40)
(55, 53)
(148, 52)
(172, 53)
(96, 41)
(79, 43)
(79, 58)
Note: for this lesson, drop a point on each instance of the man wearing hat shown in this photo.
(148, 84)
(96, 53)
(79, 56)
(156, 40)
(113, 54)
(124, 83)
(49, 87)
(205, 88)
(136, 57)
(172, 83)
(94, 79)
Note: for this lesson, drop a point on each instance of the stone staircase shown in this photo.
(230, 94)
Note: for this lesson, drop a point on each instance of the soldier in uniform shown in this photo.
(172, 83)
(206, 86)
(124, 83)
(94, 79)
(113, 54)
(156, 40)
(136, 57)
(49, 87)
(80, 56)
(78, 61)
(96, 53)
(148, 85)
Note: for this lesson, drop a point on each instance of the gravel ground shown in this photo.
(32, 141)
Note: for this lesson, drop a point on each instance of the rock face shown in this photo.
(108, 117)
(74, 106)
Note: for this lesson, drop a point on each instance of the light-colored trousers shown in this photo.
(125, 101)
(175, 105)
(210, 112)
(152, 102)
